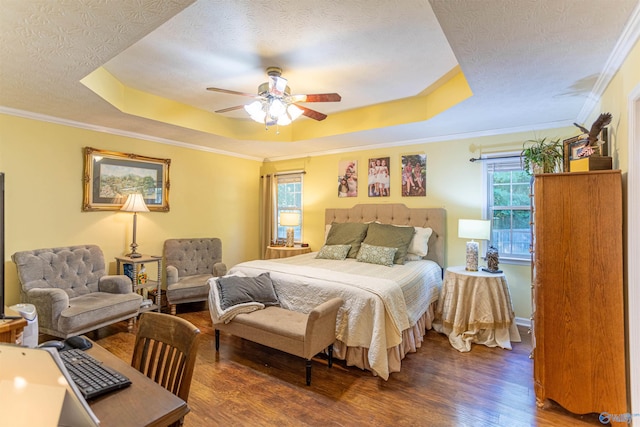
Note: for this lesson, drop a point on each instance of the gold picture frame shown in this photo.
(110, 176)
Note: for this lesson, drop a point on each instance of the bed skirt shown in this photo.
(411, 340)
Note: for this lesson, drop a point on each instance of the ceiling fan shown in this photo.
(274, 103)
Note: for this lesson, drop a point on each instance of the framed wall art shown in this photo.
(414, 175)
(378, 178)
(109, 177)
(348, 178)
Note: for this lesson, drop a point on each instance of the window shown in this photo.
(289, 199)
(509, 208)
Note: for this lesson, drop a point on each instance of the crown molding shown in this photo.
(118, 132)
(626, 42)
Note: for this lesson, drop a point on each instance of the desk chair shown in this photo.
(165, 351)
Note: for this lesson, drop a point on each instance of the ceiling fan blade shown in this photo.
(277, 85)
(226, 110)
(312, 114)
(231, 92)
(317, 97)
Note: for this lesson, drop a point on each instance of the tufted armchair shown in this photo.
(190, 263)
(72, 292)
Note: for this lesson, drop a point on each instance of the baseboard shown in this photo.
(523, 321)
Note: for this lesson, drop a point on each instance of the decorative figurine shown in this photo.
(492, 261)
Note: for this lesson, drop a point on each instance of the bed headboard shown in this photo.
(398, 214)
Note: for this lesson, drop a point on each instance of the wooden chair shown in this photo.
(165, 351)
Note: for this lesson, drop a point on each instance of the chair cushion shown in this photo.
(190, 288)
(96, 308)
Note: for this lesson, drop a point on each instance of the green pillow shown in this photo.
(376, 255)
(347, 233)
(390, 236)
(338, 252)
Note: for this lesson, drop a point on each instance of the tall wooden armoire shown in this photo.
(578, 302)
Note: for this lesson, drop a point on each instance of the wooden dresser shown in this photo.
(578, 302)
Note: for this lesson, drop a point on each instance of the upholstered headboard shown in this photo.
(398, 214)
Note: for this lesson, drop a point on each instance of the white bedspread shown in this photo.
(379, 302)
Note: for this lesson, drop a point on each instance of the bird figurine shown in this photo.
(592, 135)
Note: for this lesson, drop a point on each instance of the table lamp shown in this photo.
(473, 229)
(289, 219)
(135, 203)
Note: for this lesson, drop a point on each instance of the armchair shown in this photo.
(190, 263)
(72, 292)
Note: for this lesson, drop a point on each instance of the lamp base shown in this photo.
(134, 255)
(289, 242)
(472, 256)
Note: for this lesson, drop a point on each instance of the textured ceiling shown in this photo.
(530, 63)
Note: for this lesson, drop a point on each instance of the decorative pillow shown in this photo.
(420, 243)
(218, 315)
(235, 290)
(382, 255)
(338, 252)
(390, 236)
(347, 233)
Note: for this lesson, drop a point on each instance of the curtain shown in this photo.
(266, 212)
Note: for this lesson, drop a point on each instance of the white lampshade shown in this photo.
(135, 203)
(474, 229)
(290, 219)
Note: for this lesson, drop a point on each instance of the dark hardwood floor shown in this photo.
(248, 384)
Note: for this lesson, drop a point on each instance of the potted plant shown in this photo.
(542, 155)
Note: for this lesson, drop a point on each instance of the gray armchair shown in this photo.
(190, 263)
(72, 292)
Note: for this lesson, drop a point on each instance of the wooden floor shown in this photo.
(250, 385)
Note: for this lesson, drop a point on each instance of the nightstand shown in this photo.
(475, 307)
(136, 264)
(274, 252)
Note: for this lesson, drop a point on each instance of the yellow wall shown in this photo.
(211, 195)
(453, 182)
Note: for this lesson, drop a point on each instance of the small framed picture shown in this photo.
(414, 175)
(378, 178)
(348, 178)
(576, 148)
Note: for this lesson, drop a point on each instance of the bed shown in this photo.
(388, 307)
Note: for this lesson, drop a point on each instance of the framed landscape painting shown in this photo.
(109, 177)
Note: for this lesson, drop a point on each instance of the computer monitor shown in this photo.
(2, 288)
(36, 390)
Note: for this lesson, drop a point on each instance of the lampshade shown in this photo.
(474, 229)
(135, 203)
(290, 219)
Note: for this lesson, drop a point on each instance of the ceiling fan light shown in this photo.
(277, 108)
(294, 112)
(256, 111)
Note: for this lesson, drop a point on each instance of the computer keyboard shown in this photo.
(90, 376)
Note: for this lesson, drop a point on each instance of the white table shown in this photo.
(475, 307)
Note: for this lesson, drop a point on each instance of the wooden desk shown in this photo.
(10, 329)
(475, 307)
(143, 403)
(275, 252)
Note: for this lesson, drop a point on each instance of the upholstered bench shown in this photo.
(300, 334)
(248, 307)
